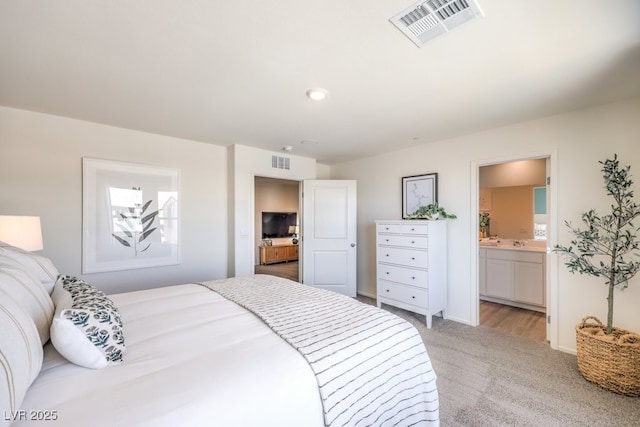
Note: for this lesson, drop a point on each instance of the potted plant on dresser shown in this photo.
(608, 248)
(432, 211)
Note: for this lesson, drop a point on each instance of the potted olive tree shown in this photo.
(608, 247)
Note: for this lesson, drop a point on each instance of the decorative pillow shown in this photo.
(86, 328)
(27, 291)
(38, 265)
(20, 353)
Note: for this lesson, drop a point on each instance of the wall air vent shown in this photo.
(428, 19)
(280, 162)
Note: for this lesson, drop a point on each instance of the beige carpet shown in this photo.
(489, 378)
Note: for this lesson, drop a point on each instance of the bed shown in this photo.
(246, 351)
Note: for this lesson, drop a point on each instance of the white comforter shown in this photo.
(371, 366)
(192, 358)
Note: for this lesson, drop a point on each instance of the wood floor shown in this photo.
(512, 320)
(288, 270)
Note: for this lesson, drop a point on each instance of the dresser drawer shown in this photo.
(416, 228)
(402, 293)
(408, 276)
(388, 228)
(407, 241)
(408, 257)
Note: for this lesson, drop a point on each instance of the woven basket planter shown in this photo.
(610, 361)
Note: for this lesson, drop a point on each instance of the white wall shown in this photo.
(580, 139)
(323, 171)
(514, 174)
(41, 174)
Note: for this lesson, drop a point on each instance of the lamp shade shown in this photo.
(23, 232)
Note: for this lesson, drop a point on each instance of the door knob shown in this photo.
(353, 245)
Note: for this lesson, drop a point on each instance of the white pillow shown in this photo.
(20, 353)
(40, 266)
(86, 328)
(27, 291)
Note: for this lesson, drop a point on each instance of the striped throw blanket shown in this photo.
(371, 366)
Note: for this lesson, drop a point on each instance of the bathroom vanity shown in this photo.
(513, 274)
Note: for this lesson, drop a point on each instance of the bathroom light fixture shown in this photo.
(317, 94)
(287, 148)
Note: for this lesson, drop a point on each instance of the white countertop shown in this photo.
(507, 244)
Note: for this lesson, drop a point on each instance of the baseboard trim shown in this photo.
(366, 294)
(568, 350)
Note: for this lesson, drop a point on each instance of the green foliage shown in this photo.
(484, 220)
(136, 227)
(605, 247)
(432, 211)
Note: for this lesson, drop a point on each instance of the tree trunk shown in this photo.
(610, 311)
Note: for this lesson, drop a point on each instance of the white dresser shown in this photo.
(412, 265)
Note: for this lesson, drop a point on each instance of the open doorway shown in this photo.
(277, 219)
(512, 256)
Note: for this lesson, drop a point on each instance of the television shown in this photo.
(277, 224)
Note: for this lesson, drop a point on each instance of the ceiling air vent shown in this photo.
(428, 19)
(280, 162)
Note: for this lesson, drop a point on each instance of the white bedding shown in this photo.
(371, 366)
(192, 358)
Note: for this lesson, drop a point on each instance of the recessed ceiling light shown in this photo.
(317, 94)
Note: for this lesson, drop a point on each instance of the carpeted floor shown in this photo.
(489, 378)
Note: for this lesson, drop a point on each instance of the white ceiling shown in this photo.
(236, 72)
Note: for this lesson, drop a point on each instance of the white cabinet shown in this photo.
(528, 286)
(412, 266)
(499, 278)
(482, 267)
(514, 277)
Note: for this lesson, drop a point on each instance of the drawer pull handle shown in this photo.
(413, 297)
(413, 277)
(413, 258)
(387, 272)
(386, 240)
(387, 255)
(413, 242)
(387, 290)
(413, 229)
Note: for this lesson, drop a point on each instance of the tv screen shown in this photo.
(276, 224)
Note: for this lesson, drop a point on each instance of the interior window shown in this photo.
(540, 213)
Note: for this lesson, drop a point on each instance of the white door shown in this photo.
(329, 235)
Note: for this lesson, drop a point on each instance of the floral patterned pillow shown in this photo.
(86, 328)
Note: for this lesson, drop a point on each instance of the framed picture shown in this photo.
(418, 190)
(130, 216)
